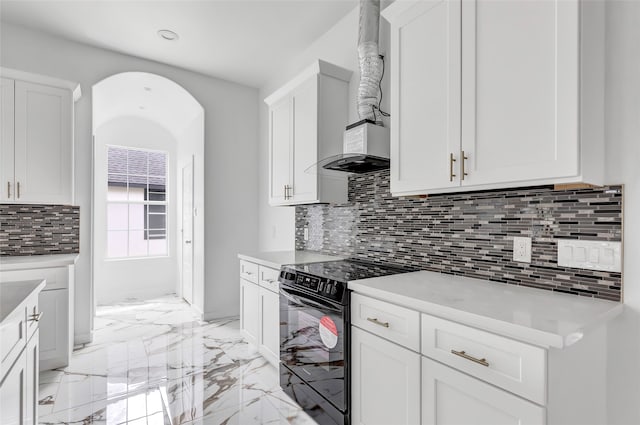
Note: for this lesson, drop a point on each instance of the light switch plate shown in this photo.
(522, 249)
(590, 255)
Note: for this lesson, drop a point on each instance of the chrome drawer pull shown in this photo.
(248, 273)
(269, 280)
(464, 355)
(377, 322)
(35, 317)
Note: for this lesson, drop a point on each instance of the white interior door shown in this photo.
(187, 232)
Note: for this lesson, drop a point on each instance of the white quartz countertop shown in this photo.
(38, 261)
(14, 294)
(276, 259)
(531, 315)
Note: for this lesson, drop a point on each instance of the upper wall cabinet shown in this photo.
(490, 94)
(36, 149)
(307, 117)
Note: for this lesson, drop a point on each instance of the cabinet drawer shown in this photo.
(515, 366)
(56, 277)
(398, 324)
(269, 278)
(249, 271)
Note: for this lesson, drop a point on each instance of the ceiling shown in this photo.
(144, 95)
(245, 41)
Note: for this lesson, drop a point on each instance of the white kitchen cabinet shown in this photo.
(13, 394)
(385, 380)
(465, 375)
(56, 303)
(450, 397)
(54, 342)
(260, 309)
(249, 311)
(19, 363)
(37, 143)
(307, 117)
(270, 325)
(488, 94)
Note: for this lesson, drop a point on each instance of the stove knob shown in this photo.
(328, 288)
(334, 290)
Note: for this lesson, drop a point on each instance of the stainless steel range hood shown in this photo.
(366, 142)
(365, 149)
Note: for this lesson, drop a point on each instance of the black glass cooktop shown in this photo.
(347, 270)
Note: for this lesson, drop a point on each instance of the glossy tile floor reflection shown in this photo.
(154, 362)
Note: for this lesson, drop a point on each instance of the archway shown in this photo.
(148, 190)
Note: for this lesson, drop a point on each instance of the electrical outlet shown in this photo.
(522, 249)
(306, 233)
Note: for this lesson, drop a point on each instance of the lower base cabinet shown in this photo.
(13, 391)
(260, 309)
(451, 397)
(249, 311)
(385, 379)
(270, 325)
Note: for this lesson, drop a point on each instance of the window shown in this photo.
(136, 203)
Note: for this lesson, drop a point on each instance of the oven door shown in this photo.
(313, 343)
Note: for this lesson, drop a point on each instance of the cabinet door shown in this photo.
(54, 345)
(305, 141)
(425, 95)
(13, 397)
(520, 82)
(33, 380)
(450, 397)
(43, 144)
(270, 325)
(385, 379)
(249, 311)
(6, 140)
(280, 151)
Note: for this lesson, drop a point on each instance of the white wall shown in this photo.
(118, 279)
(231, 127)
(338, 46)
(623, 160)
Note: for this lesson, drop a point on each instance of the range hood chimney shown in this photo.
(366, 142)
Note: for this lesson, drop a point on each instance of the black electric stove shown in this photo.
(315, 334)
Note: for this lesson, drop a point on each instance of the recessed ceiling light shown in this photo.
(168, 35)
(147, 89)
(141, 107)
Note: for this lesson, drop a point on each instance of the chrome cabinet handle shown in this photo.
(269, 280)
(248, 273)
(285, 191)
(35, 317)
(187, 242)
(451, 161)
(464, 355)
(377, 322)
(18, 189)
(8, 189)
(462, 172)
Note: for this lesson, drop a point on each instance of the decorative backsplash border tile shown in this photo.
(471, 233)
(39, 229)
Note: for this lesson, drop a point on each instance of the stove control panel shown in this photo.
(323, 286)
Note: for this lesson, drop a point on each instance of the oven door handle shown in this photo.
(288, 294)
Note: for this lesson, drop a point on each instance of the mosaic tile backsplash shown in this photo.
(39, 229)
(470, 234)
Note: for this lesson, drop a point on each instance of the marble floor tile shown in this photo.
(154, 362)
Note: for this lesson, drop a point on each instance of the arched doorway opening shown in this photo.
(148, 190)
